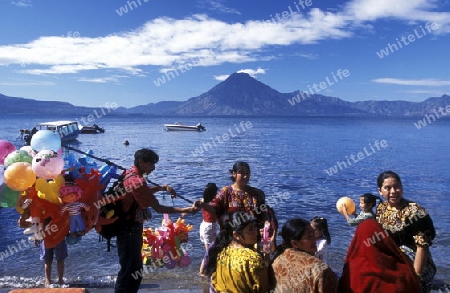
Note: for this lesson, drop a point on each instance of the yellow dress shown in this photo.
(240, 270)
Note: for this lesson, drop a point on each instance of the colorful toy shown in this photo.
(6, 148)
(107, 173)
(49, 189)
(45, 140)
(29, 150)
(18, 156)
(87, 163)
(47, 164)
(19, 176)
(70, 195)
(162, 247)
(8, 197)
(37, 210)
(38, 200)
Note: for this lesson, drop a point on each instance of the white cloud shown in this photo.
(167, 43)
(369, 10)
(309, 56)
(221, 77)
(252, 72)
(411, 11)
(413, 82)
(27, 83)
(101, 79)
(22, 3)
(218, 5)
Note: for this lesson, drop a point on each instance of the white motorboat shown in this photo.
(181, 127)
(66, 130)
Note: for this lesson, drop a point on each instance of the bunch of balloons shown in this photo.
(21, 167)
(31, 179)
(162, 247)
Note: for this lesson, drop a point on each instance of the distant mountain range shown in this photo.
(242, 95)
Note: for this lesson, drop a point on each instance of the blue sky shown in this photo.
(132, 53)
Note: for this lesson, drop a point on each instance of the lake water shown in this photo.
(311, 161)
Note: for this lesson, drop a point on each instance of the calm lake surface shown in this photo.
(312, 161)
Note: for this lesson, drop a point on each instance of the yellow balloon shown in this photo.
(19, 176)
(349, 203)
(49, 190)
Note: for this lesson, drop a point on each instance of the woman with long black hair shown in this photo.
(233, 264)
(295, 268)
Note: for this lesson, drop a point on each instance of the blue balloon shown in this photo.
(71, 163)
(108, 172)
(87, 164)
(45, 140)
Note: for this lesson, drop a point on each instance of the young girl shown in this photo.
(233, 264)
(367, 202)
(208, 227)
(323, 237)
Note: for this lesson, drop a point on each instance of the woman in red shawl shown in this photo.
(374, 263)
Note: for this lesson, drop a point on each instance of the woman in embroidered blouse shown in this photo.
(240, 196)
(295, 268)
(409, 224)
(233, 265)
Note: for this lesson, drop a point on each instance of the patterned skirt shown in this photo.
(427, 276)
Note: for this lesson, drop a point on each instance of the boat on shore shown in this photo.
(66, 130)
(181, 127)
(94, 129)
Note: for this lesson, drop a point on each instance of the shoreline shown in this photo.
(200, 285)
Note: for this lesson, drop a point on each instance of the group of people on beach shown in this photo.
(388, 253)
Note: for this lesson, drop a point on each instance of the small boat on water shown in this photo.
(94, 129)
(181, 127)
(66, 130)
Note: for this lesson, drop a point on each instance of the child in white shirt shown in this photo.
(323, 237)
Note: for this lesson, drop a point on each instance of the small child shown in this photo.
(208, 227)
(323, 237)
(47, 254)
(367, 202)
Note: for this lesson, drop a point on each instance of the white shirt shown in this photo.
(322, 249)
